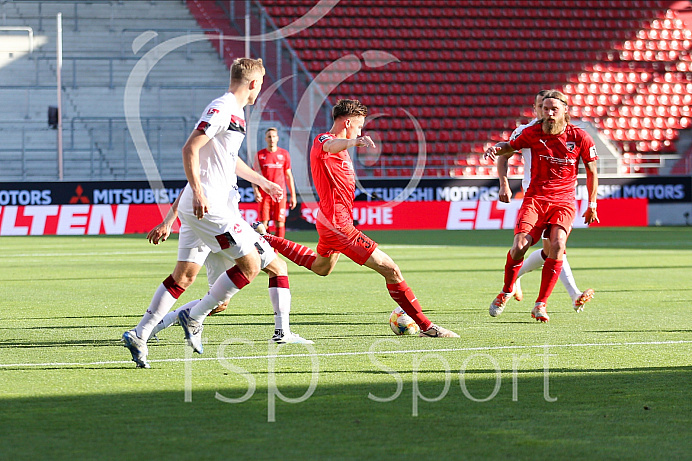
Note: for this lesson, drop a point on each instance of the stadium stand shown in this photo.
(466, 75)
(98, 60)
(469, 74)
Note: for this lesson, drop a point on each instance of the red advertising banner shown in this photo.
(87, 219)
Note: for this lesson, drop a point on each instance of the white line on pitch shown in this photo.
(342, 354)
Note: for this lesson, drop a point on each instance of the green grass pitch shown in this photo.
(613, 382)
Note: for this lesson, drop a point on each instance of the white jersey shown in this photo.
(526, 153)
(223, 121)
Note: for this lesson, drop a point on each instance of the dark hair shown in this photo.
(349, 108)
(541, 94)
(271, 128)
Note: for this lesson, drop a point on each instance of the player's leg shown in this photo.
(280, 296)
(402, 294)
(279, 217)
(579, 298)
(300, 254)
(226, 233)
(265, 210)
(551, 271)
(526, 232)
(513, 263)
(164, 298)
(215, 265)
(534, 261)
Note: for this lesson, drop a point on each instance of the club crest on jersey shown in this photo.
(571, 146)
(237, 124)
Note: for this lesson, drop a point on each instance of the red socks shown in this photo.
(549, 277)
(299, 254)
(404, 297)
(512, 267)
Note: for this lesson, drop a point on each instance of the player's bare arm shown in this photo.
(291, 189)
(591, 215)
(161, 232)
(197, 139)
(243, 171)
(501, 148)
(336, 145)
(505, 191)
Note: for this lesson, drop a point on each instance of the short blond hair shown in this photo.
(243, 69)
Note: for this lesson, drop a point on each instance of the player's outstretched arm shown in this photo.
(590, 215)
(336, 145)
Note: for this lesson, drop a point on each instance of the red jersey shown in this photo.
(555, 160)
(335, 182)
(273, 165)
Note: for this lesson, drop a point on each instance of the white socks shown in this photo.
(281, 302)
(567, 279)
(533, 262)
(171, 318)
(222, 290)
(161, 303)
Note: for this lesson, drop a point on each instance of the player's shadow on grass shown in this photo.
(113, 417)
(11, 344)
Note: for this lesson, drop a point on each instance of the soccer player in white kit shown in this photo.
(536, 259)
(210, 218)
(216, 265)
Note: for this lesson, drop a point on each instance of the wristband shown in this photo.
(592, 205)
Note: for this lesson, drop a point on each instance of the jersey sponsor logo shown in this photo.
(237, 228)
(324, 138)
(559, 161)
(212, 111)
(237, 124)
(571, 146)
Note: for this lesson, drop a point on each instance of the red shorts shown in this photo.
(347, 240)
(271, 210)
(535, 216)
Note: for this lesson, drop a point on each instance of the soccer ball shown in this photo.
(402, 324)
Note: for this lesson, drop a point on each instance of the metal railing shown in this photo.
(27, 29)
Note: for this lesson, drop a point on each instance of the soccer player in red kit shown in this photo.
(274, 163)
(549, 202)
(334, 179)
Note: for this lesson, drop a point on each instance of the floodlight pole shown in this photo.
(247, 28)
(59, 82)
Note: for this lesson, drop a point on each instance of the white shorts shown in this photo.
(193, 248)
